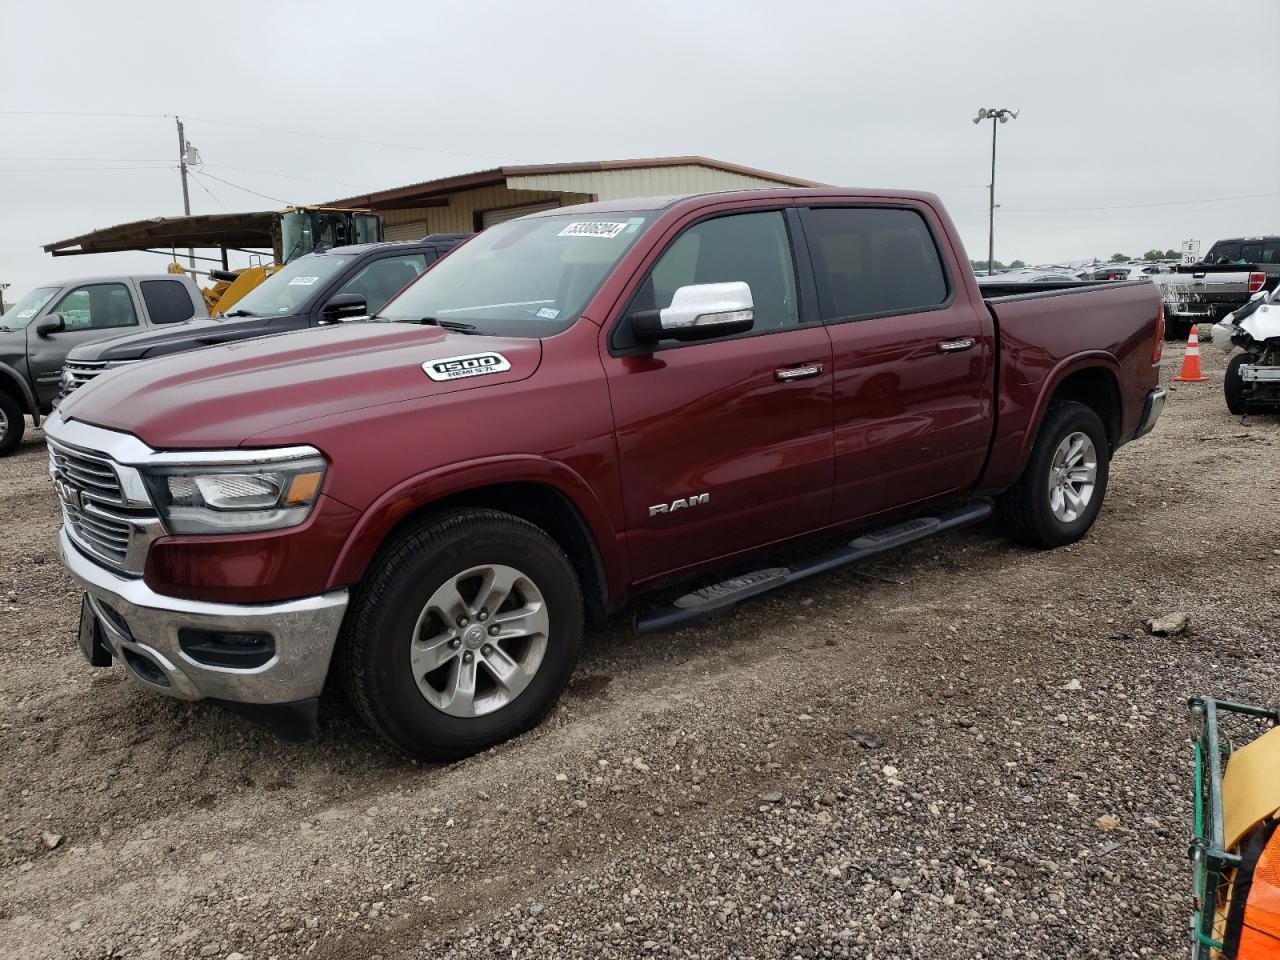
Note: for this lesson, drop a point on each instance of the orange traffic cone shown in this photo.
(1191, 359)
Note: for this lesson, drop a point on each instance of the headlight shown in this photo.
(229, 497)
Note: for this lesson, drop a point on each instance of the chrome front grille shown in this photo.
(76, 373)
(101, 517)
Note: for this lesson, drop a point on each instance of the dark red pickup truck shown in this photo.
(571, 409)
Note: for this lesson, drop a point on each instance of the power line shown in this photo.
(250, 126)
(287, 176)
(1132, 206)
(214, 196)
(85, 159)
(201, 173)
(328, 136)
(71, 169)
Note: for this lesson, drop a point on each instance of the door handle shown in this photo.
(803, 372)
(955, 346)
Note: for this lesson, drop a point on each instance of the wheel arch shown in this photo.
(13, 383)
(549, 495)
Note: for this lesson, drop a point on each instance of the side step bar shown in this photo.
(706, 601)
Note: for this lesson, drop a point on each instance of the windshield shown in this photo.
(24, 311)
(289, 287)
(525, 278)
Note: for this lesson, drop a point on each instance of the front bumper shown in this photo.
(1151, 411)
(140, 627)
(1252, 373)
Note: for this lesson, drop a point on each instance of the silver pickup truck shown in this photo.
(38, 332)
(1205, 292)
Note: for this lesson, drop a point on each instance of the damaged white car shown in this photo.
(1253, 377)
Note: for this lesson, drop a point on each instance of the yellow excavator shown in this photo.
(295, 232)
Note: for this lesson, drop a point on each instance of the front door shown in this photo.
(92, 311)
(724, 444)
(912, 358)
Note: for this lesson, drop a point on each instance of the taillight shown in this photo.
(1158, 349)
(1256, 280)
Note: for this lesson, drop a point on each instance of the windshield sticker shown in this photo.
(547, 313)
(471, 365)
(26, 314)
(302, 281)
(593, 228)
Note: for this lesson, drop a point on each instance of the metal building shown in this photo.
(473, 201)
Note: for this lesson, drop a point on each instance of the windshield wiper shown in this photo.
(454, 326)
(240, 313)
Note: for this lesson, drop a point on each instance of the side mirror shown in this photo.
(1261, 295)
(53, 323)
(344, 306)
(698, 312)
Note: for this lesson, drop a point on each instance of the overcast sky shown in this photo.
(1130, 110)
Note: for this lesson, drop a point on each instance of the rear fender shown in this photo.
(11, 381)
(1019, 421)
(421, 491)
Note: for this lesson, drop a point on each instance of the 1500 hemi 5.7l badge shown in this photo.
(471, 365)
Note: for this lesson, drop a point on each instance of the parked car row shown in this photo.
(571, 410)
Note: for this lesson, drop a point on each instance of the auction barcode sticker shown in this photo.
(302, 281)
(593, 228)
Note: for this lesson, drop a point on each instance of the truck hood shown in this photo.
(188, 335)
(221, 396)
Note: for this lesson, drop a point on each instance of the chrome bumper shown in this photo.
(142, 623)
(1151, 411)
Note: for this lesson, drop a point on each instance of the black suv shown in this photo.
(329, 286)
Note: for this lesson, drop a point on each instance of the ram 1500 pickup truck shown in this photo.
(571, 409)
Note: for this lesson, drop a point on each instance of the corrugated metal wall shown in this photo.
(568, 188)
(459, 215)
(643, 182)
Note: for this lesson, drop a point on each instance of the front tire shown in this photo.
(13, 423)
(1059, 494)
(463, 634)
(1233, 384)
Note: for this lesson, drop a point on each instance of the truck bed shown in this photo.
(1041, 333)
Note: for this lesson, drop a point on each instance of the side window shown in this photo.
(168, 301)
(751, 247)
(875, 260)
(1228, 251)
(379, 281)
(97, 306)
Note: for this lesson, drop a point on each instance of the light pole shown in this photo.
(3, 288)
(995, 115)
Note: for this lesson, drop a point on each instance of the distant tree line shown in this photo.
(1149, 255)
(981, 265)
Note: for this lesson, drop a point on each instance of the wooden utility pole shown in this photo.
(182, 167)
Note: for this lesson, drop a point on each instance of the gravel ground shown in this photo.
(965, 750)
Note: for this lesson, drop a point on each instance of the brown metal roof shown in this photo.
(207, 230)
(409, 196)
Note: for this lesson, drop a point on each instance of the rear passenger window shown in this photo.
(875, 261)
(168, 301)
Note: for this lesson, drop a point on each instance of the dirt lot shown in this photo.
(697, 794)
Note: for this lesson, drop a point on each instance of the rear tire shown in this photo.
(1059, 494)
(434, 662)
(13, 423)
(1233, 384)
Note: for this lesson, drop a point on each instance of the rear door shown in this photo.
(912, 357)
(90, 311)
(724, 445)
